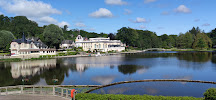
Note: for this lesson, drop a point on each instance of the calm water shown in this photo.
(115, 68)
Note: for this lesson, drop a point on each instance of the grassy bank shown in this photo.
(11, 60)
(90, 96)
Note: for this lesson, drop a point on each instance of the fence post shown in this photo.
(62, 92)
(74, 95)
(66, 93)
(0, 90)
(33, 90)
(6, 91)
(40, 89)
(21, 89)
(53, 90)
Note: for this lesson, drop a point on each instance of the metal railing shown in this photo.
(37, 90)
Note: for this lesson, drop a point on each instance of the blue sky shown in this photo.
(160, 16)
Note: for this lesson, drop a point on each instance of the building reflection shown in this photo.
(31, 68)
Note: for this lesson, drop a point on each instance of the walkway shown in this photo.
(31, 97)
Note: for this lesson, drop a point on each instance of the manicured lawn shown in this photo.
(91, 96)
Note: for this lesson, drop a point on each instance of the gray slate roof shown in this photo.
(28, 41)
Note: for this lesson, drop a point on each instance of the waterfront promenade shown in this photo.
(31, 97)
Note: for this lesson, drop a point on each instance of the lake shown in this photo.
(115, 68)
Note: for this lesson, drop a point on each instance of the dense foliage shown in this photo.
(194, 38)
(5, 39)
(52, 35)
(210, 94)
(90, 96)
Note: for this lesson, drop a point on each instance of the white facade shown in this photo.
(99, 44)
(22, 48)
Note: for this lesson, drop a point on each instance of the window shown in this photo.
(99, 45)
(31, 46)
(14, 45)
(95, 46)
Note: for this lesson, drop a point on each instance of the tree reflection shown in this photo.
(129, 69)
(213, 59)
(6, 78)
(195, 56)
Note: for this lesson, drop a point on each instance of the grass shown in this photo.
(2, 54)
(92, 96)
(11, 60)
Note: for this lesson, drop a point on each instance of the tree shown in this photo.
(128, 36)
(5, 39)
(210, 94)
(212, 35)
(195, 31)
(184, 40)
(53, 35)
(202, 41)
(112, 36)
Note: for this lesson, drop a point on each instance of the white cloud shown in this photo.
(28, 8)
(182, 9)
(102, 13)
(140, 20)
(149, 1)
(127, 12)
(46, 20)
(79, 24)
(142, 27)
(34, 10)
(63, 23)
(206, 24)
(115, 2)
(165, 13)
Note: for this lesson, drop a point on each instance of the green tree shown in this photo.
(184, 40)
(127, 35)
(210, 94)
(5, 39)
(202, 41)
(195, 31)
(212, 35)
(53, 35)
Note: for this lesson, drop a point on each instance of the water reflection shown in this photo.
(109, 69)
(31, 68)
(130, 69)
(103, 80)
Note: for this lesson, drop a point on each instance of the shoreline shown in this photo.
(2, 59)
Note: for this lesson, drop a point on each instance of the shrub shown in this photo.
(210, 94)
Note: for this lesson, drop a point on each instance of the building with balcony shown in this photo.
(99, 44)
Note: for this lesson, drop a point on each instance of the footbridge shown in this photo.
(151, 80)
(154, 49)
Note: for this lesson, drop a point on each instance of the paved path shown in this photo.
(31, 97)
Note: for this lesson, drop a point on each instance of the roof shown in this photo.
(34, 40)
(67, 42)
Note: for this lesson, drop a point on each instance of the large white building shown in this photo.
(99, 44)
(29, 48)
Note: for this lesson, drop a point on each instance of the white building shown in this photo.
(99, 44)
(29, 48)
(67, 44)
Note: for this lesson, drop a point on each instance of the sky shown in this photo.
(108, 16)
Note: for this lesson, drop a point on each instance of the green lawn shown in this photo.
(91, 96)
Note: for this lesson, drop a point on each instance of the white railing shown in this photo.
(37, 90)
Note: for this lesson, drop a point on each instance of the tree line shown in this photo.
(52, 35)
(194, 38)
